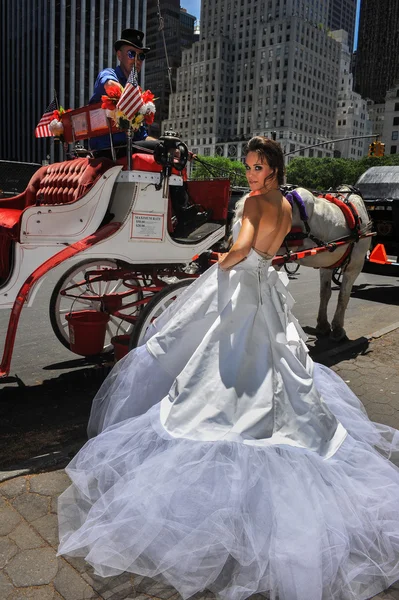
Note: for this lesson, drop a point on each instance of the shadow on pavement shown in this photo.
(354, 348)
(324, 350)
(76, 363)
(48, 417)
(384, 293)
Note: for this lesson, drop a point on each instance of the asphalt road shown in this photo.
(39, 356)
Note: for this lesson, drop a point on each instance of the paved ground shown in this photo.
(29, 567)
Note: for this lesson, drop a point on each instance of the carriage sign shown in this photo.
(147, 226)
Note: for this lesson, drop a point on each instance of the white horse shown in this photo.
(327, 223)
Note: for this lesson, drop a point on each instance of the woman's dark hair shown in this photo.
(270, 151)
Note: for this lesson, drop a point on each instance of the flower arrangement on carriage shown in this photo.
(56, 127)
(128, 107)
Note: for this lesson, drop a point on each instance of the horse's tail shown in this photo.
(366, 228)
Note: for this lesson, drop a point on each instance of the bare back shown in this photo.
(275, 218)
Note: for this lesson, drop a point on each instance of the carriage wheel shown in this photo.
(93, 299)
(337, 275)
(291, 267)
(154, 308)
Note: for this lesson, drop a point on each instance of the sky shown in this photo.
(357, 24)
(194, 8)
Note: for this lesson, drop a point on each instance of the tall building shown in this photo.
(47, 46)
(352, 120)
(342, 15)
(259, 66)
(377, 58)
(178, 29)
(390, 134)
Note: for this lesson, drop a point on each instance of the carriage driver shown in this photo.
(130, 51)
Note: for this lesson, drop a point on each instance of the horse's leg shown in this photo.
(337, 325)
(323, 326)
(349, 276)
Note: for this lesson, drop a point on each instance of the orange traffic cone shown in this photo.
(379, 255)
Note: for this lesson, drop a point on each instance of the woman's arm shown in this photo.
(242, 247)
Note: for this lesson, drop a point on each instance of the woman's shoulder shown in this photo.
(253, 206)
(268, 201)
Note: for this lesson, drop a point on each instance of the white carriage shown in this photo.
(127, 233)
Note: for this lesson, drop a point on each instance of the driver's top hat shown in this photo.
(131, 37)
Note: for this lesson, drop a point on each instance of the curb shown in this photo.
(351, 344)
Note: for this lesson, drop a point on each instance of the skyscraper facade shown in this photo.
(49, 46)
(342, 15)
(259, 66)
(352, 110)
(377, 57)
(177, 26)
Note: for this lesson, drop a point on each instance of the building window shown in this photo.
(393, 149)
(394, 135)
(395, 121)
(207, 151)
(396, 106)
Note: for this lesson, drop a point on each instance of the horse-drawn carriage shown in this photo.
(136, 232)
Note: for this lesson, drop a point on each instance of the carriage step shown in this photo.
(199, 234)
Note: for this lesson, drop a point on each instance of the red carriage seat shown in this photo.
(55, 184)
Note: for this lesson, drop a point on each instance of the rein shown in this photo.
(352, 219)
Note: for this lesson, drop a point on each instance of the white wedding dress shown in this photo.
(225, 459)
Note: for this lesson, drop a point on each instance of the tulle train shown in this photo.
(235, 518)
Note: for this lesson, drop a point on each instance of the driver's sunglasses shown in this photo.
(132, 54)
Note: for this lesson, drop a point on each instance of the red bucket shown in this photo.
(121, 345)
(87, 331)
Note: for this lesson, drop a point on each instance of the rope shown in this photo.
(161, 29)
(217, 170)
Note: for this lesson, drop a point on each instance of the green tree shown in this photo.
(324, 173)
(216, 167)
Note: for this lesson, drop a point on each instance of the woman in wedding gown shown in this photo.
(222, 457)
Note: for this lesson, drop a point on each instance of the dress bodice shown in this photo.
(254, 260)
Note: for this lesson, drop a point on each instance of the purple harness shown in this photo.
(295, 197)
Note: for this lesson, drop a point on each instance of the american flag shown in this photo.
(42, 129)
(131, 101)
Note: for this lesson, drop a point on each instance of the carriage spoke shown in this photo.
(114, 320)
(116, 286)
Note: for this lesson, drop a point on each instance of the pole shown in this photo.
(129, 148)
(358, 137)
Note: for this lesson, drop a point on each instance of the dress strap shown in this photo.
(264, 254)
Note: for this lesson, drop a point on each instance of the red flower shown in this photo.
(56, 114)
(113, 89)
(149, 119)
(107, 102)
(147, 96)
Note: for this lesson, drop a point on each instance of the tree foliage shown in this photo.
(325, 173)
(215, 167)
(312, 173)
